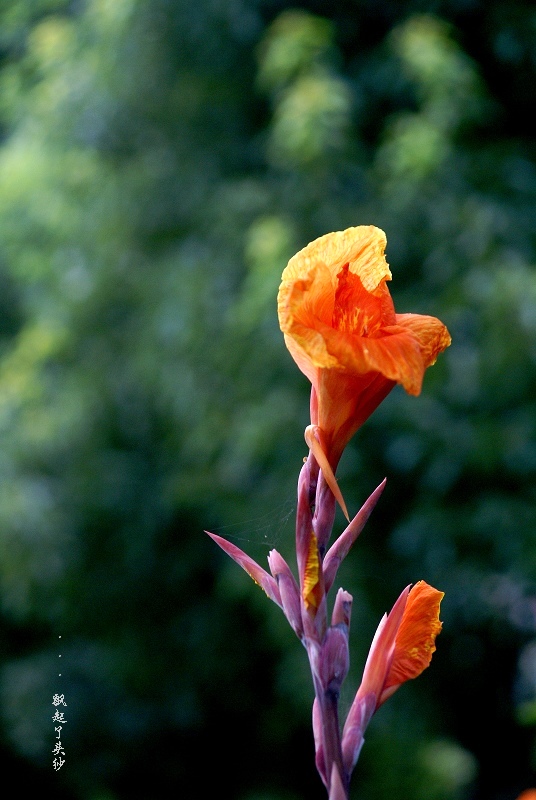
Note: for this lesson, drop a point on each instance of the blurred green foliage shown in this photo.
(159, 163)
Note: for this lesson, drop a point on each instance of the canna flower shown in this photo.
(404, 641)
(341, 329)
(402, 648)
(414, 642)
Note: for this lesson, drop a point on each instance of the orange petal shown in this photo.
(358, 311)
(415, 639)
(303, 305)
(307, 295)
(361, 247)
(396, 355)
(432, 335)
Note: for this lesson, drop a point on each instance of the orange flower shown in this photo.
(415, 638)
(402, 648)
(341, 328)
(404, 642)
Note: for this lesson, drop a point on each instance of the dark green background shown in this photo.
(159, 163)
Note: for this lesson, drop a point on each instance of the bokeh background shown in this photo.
(160, 160)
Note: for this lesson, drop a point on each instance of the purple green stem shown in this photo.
(314, 521)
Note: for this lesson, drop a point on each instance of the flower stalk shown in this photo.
(341, 328)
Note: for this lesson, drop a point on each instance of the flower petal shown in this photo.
(303, 306)
(432, 336)
(288, 589)
(361, 247)
(312, 587)
(381, 650)
(308, 285)
(359, 311)
(415, 639)
(396, 355)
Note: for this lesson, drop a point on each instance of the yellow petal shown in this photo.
(361, 247)
(311, 578)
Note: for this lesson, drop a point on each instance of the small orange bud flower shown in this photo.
(401, 649)
(415, 639)
(404, 642)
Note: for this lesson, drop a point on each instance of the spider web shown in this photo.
(267, 530)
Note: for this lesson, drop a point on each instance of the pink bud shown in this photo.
(342, 609)
(334, 659)
(288, 589)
